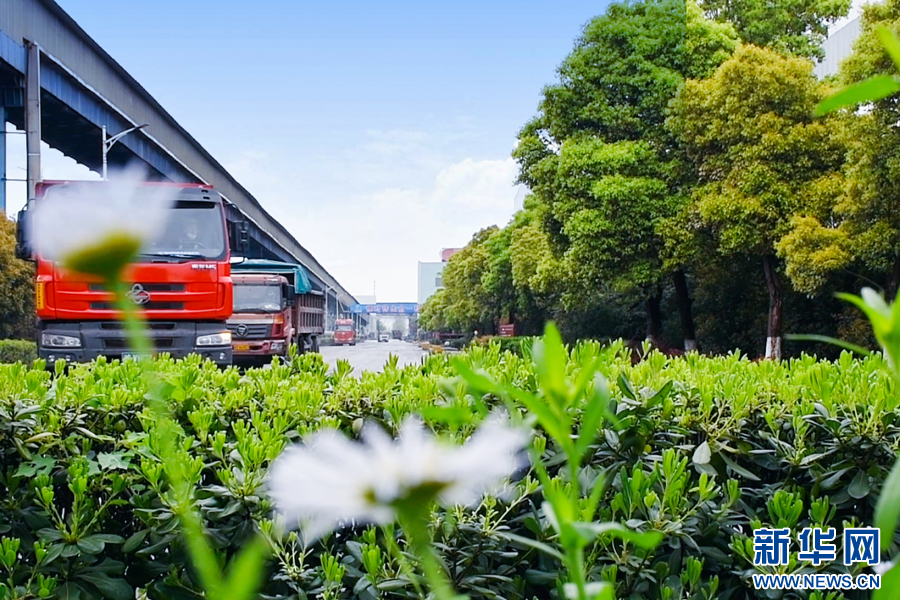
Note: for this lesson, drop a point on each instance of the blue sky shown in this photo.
(377, 132)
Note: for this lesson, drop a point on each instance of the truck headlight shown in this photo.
(215, 339)
(277, 346)
(55, 340)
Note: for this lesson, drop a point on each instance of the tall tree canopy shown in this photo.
(796, 27)
(863, 229)
(762, 158)
(599, 157)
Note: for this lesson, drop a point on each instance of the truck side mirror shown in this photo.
(23, 246)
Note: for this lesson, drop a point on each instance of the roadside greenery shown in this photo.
(702, 449)
(16, 287)
(17, 351)
(683, 191)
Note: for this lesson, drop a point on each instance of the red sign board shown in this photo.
(508, 330)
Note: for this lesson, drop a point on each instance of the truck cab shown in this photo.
(274, 307)
(181, 282)
(344, 332)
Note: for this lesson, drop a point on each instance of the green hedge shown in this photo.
(17, 351)
(707, 448)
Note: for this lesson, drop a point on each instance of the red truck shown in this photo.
(274, 307)
(183, 290)
(344, 333)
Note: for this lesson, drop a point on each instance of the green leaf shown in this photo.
(39, 465)
(870, 90)
(518, 539)
(589, 531)
(887, 511)
(859, 487)
(550, 360)
(108, 538)
(40, 436)
(597, 407)
(246, 571)
(890, 42)
(660, 395)
(112, 588)
(112, 461)
(134, 542)
(702, 454)
(91, 544)
(626, 387)
(595, 590)
(890, 580)
(546, 418)
(738, 468)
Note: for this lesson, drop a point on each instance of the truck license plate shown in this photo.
(130, 356)
(241, 347)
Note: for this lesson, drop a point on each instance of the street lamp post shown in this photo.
(110, 142)
(327, 287)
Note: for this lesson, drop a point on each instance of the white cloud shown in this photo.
(372, 213)
(382, 236)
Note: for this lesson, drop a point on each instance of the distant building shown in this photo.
(837, 47)
(431, 275)
(519, 200)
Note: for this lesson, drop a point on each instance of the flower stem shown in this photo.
(415, 527)
(132, 320)
(202, 554)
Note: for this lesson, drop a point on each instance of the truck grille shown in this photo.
(256, 331)
(151, 305)
(154, 325)
(149, 287)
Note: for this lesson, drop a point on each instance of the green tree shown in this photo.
(16, 287)
(465, 304)
(796, 27)
(863, 228)
(762, 159)
(599, 157)
(431, 314)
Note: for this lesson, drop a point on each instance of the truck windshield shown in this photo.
(344, 328)
(195, 229)
(257, 298)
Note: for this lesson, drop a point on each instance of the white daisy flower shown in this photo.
(93, 226)
(332, 481)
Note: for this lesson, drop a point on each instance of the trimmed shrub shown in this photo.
(706, 449)
(17, 351)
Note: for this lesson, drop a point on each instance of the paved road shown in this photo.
(371, 355)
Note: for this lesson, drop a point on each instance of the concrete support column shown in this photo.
(2, 159)
(33, 116)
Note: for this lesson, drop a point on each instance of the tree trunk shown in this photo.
(683, 296)
(654, 316)
(776, 299)
(890, 291)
